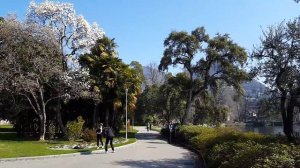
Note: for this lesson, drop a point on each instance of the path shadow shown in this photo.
(86, 152)
(158, 142)
(147, 136)
(184, 163)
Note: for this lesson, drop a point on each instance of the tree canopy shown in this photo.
(111, 77)
(207, 60)
(30, 66)
(278, 62)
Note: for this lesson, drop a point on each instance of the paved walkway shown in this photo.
(148, 152)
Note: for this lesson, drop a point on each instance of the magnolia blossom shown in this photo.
(74, 34)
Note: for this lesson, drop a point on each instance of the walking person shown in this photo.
(170, 131)
(109, 139)
(148, 126)
(99, 133)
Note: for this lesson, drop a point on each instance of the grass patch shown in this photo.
(156, 128)
(130, 134)
(11, 146)
(7, 128)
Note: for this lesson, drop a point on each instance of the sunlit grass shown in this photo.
(156, 128)
(6, 128)
(11, 146)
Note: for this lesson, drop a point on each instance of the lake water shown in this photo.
(274, 130)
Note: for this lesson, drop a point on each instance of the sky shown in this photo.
(140, 26)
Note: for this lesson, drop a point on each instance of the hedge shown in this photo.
(231, 148)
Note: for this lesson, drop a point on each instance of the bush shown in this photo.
(75, 128)
(251, 155)
(231, 148)
(51, 130)
(89, 135)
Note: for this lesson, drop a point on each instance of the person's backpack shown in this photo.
(110, 133)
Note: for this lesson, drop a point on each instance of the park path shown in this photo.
(148, 152)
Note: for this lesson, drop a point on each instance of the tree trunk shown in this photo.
(288, 125)
(59, 119)
(283, 113)
(188, 116)
(42, 126)
(95, 115)
(43, 119)
(287, 115)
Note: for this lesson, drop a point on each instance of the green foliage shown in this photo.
(220, 52)
(110, 76)
(1, 20)
(231, 148)
(147, 104)
(139, 69)
(278, 63)
(7, 128)
(251, 154)
(74, 128)
(209, 112)
(89, 135)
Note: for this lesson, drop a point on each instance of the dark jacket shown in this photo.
(109, 132)
(98, 131)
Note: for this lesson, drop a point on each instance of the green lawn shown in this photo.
(156, 128)
(11, 146)
(6, 128)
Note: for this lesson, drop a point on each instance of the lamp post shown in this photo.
(126, 114)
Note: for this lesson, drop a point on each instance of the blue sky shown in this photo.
(140, 26)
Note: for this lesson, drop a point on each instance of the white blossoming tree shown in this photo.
(74, 35)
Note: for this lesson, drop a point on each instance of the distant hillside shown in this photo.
(254, 88)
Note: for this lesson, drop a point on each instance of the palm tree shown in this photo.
(111, 76)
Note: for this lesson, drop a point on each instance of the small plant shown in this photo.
(51, 130)
(75, 128)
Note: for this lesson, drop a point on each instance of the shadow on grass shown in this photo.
(15, 137)
(12, 136)
(7, 130)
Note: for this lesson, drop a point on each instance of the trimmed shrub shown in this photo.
(250, 155)
(232, 148)
(75, 128)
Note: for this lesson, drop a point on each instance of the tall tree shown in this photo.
(111, 77)
(30, 66)
(153, 76)
(172, 97)
(139, 69)
(278, 58)
(73, 33)
(148, 103)
(221, 59)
